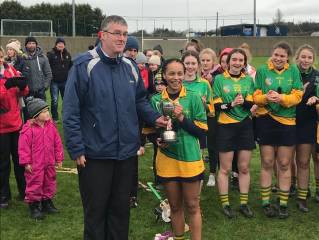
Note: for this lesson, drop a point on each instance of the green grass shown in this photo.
(15, 222)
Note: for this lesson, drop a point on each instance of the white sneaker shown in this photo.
(211, 181)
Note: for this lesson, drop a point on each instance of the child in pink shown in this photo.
(40, 149)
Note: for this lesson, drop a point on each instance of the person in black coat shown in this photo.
(60, 61)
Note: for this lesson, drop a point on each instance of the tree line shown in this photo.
(88, 20)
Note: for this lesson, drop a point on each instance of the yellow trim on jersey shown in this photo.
(201, 125)
(170, 167)
(261, 111)
(292, 99)
(225, 119)
(259, 98)
(165, 95)
(272, 67)
(218, 100)
(148, 130)
(227, 75)
(283, 120)
(249, 98)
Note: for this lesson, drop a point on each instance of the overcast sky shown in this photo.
(230, 11)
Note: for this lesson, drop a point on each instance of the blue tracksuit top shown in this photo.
(104, 97)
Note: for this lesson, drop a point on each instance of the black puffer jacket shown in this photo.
(60, 63)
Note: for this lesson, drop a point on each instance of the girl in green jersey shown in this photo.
(278, 89)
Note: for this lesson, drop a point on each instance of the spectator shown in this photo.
(60, 62)
(40, 133)
(10, 125)
(105, 153)
(37, 70)
(131, 48)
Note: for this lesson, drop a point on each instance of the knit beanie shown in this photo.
(154, 59)
(35, 106)
(140, 58)
(225, 51)
(132, 43)
(30, 39)
(158, 48)
(59, 40)
(13, 45)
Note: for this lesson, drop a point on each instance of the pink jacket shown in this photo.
(39, 146)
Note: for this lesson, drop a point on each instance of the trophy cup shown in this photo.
(168, 135)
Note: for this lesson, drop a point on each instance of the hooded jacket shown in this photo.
(40, 146)
(104, 98)
(60, 64)
(37, 70)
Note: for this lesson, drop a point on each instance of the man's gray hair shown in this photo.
(112, 19)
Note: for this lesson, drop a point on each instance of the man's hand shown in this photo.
(141, 151)
(161, 122)
(28, 168)
(80, 161)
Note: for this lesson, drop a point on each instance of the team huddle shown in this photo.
(182, 106)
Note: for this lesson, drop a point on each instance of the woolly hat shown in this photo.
(158, 48)
(14, 45)
(154, 59)
(132, 43)
(30, 39)
(225, 51)
(59, 40)
(140, 58)
(35, 106)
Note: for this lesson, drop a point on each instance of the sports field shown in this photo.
(15, 223)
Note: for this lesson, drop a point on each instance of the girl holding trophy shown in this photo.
(179, 165)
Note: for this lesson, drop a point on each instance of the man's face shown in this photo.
(60, 46)
(131, 53)
(31, 46)
(114, 39)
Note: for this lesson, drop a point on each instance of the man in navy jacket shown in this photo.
(104, 98)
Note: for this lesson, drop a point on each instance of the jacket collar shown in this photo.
(106, 59)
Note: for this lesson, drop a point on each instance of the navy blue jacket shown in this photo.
(103, 100)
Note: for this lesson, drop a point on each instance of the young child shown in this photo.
(40, 148)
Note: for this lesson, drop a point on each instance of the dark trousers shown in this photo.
(55, 88)
(135, 178)
(105, 187)
(212, 144)
(9, 148)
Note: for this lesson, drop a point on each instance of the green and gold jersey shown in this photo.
(187, 147)
(286, 82)
(203, 89)
(226, 88)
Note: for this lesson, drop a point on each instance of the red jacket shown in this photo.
(144, 74)
(10, 121)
